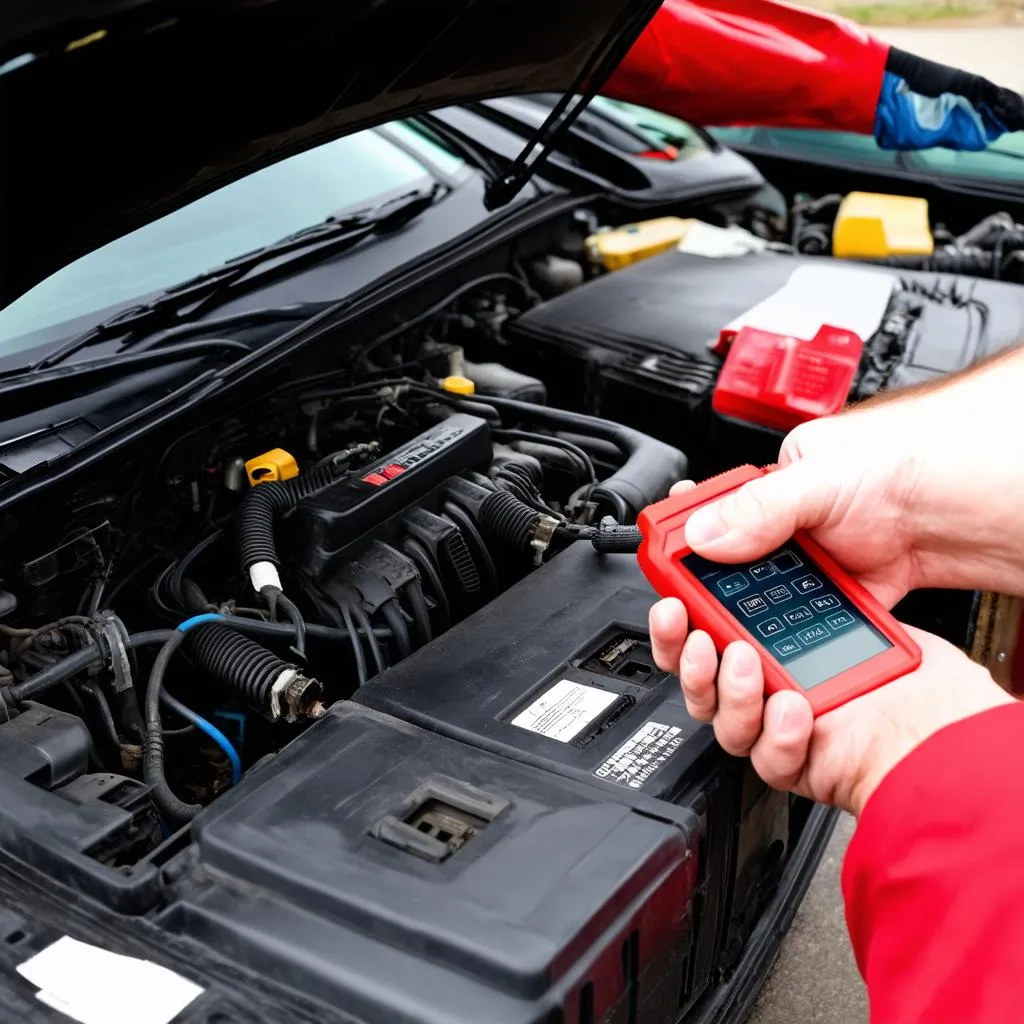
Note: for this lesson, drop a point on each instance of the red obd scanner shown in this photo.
(778, 381)
(817, 630)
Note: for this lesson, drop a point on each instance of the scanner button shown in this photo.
(797, 615)
(839, 620)
(753, 605)
(733, 584)
(813, 634)
(806, 584)
(787, 646)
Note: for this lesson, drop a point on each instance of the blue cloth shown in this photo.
(905, 120)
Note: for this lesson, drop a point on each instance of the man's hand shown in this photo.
(841, 757)
(921, 490)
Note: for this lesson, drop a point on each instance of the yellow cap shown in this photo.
(873, 226)
(459, 385)
(277, 464)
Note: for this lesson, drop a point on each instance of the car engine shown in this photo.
(413, 507)
(378, 619)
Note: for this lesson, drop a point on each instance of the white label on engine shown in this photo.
(564, 710)
(642, 755)
(94, 986)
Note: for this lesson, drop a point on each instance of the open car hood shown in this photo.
(118, 111)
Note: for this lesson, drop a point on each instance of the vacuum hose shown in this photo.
(259, 510)
(257, 676)
(510, 520)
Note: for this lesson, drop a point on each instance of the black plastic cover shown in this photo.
(618, 722)
(558, 673)
(323, 527)
(561, 894)
(632, 345)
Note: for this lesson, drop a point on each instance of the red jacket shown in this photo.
(760, 62)
(934, 879)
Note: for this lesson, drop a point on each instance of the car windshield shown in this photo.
(663, 129)
(1000, 162)
(245, 215)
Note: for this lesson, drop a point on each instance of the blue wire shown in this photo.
(211, 730)
(198, 620)
(197, 720)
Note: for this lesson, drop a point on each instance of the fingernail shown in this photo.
(744, 661)
(791, 717)
(789, 720)
(705, 526)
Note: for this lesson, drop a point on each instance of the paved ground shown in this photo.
(815, 980)
(992, 52)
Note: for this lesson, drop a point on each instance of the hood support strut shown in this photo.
(598, 70)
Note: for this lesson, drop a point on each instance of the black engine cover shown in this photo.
(632, 346)
(324, 527)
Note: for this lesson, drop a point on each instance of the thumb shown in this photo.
(764, 513)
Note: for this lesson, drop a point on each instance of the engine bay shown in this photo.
(377, 622)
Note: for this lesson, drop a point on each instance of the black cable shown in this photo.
(294, 617)
(105, 714)
(420, 613)
(615, 500)
(40, 682)
(586, 463)
(428, 571)
(357, 646)
(185, 562)
(392, 613)
(153, 753)
(371, 635)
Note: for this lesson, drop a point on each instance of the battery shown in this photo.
(400, 875)
(574, 691)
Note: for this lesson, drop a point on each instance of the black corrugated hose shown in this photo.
(263, 504)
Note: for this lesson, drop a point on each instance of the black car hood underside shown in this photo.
(115, 112)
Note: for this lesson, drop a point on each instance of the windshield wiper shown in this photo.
(176, 311)
(119, 365)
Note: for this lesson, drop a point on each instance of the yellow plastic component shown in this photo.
(872, 226)
(459, 385)
(624, 246)
(276, 464)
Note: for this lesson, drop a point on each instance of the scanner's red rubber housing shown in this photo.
(664, 545)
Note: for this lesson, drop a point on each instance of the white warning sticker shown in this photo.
(564, 710)
(642, 755)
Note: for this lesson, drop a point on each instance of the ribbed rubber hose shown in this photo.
(247, 668)
(508, 519)
(265, 503)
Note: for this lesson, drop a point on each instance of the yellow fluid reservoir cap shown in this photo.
(873, 226)
(277, 464)
(634, 242)
(459, 385)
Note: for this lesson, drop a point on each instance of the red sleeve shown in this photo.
(934, 879)
(754, 62)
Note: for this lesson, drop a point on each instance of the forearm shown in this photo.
(963, 436)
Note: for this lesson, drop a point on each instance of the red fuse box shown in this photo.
(778, 381)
